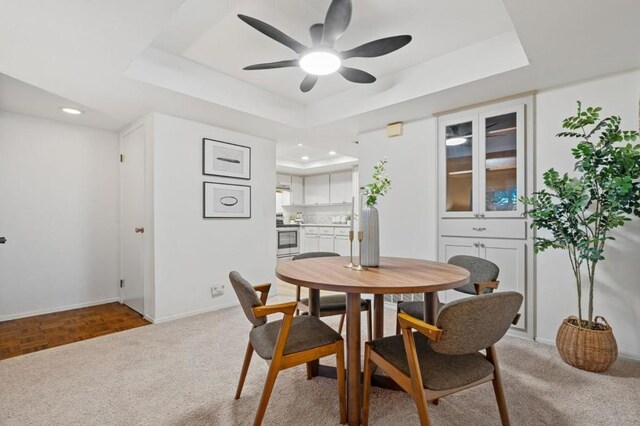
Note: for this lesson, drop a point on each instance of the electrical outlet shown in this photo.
(217, 290)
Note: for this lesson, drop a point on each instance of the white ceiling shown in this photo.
(436, 27)
(120, 59)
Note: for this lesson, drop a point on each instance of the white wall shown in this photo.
(191, 253)
(408, 213)
(617, 296)
(59, 212)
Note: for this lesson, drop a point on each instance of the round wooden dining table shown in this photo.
(393, 276)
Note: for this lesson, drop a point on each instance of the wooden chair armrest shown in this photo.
(486, 284)
(264, 291)
(407, 322)
(516, 319)
(287, 308)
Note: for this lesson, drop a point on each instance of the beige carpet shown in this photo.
(184, 373)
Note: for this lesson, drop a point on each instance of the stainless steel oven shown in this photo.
(288, 241)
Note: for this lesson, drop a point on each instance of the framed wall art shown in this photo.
(225, 159)
(224, 200)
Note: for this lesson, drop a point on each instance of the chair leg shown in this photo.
(366, 393)
(309, 371)
(497, 387)
(369, 329)
(297, 298)
(436, 401)
(397, 322)
(266, 392)
(341, 325)
(342, 394)
(245, 368)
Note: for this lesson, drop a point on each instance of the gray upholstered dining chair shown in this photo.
(440, 360)
(483, 279)
(335, 304)
(285, 343)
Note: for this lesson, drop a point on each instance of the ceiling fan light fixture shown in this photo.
(320, 62)
(455, 141)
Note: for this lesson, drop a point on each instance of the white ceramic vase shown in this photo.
(370, 237)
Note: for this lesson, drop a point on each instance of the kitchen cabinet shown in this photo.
(482, 162)
(283, 181)
(341, 190)
(341, 245)
(316, 189)
(325, 243)
(297, 191)
(485, 164)
(509, 255)
(311, 243)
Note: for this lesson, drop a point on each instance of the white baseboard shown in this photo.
(190, 313)
(58, 309)
(620, 355)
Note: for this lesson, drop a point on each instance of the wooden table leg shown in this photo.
(378, 318)
(430, 307)
(314, 309)
(353, 359)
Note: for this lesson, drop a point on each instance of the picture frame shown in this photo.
(225, 159)
(226, 201)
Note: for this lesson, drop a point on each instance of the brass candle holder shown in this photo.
(360, 267)
(351, 264)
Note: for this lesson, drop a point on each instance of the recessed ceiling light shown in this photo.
(320, 62)
(455, 141)
(332, 153)
(304, 157)
(299, 144)
(70, 110)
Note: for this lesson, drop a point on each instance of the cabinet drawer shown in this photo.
(342, 231)
(483, 228)
(325, 231)
(311, 230)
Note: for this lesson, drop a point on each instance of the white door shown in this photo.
(326, 243)
(510, 256)
(311, 243)
(132, 222)
(342, 245)
(296, 191)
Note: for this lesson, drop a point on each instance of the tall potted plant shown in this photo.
(369, 220)
(578, 214)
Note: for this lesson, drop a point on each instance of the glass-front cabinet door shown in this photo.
(501, 162)
(458, 165)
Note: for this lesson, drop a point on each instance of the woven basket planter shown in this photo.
(590, 350)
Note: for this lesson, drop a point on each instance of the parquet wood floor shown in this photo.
(25, 335)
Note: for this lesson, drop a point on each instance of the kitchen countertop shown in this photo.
(334, 225)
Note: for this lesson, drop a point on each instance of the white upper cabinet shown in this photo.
(482, 163)
(283, 181)
(297, 191)
(341, 190)
(316, 189)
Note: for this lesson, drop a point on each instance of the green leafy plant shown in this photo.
(380, 185)
(580, 211)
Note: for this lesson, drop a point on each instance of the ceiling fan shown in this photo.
(321, 58)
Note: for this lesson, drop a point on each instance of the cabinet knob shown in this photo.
(475, 228)
(476, 244)
(482, 245)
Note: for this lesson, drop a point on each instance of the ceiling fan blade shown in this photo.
(337, 20)
(316, 34)
(309, 81)
(356, 76)
(271, 65)
(274, 33)
(378, 47)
